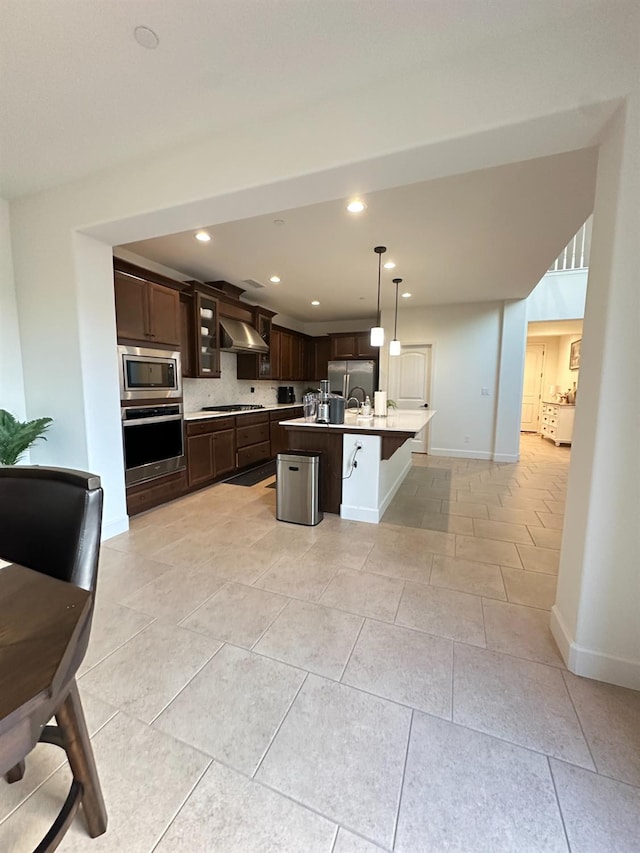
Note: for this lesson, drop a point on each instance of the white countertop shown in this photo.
(402, 420)
(197, 416)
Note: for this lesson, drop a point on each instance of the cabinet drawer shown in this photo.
(253, 454)
(147, 495)
(256, 434)
(250, 420)
(286, 414)
(213, 425)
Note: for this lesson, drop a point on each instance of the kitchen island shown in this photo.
(380, 449)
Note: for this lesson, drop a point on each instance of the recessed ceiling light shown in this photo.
(315, 302)
(146, 37)
(203, 236)
(389, 265)
(275, 279)
(356, 206)
(406, 295)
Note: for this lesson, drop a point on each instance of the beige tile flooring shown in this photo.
(257, 686)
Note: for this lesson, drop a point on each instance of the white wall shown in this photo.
(466, 347)
(11, 384)
(596, 618)
(558, 296)
(565, 377)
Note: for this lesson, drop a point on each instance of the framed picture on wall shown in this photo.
(574, 355)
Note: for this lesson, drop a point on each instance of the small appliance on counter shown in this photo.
(336, 409)
(324, 408)
(286, 394)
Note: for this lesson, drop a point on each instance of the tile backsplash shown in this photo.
(228, 389)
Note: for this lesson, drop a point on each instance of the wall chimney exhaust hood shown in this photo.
(238, 336)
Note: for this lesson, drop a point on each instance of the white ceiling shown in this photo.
(485, 235)
(553, 328)
(78, 94)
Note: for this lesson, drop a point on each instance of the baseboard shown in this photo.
(591, 664)
(506, 457)
(461, 454)
(114, 528)
(359, 513)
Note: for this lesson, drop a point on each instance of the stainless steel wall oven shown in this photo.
(153, 438)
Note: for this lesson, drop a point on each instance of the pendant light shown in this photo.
(377, 332)
(394, 345)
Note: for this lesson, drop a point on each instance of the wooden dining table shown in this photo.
(42, 622)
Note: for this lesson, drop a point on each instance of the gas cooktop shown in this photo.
(234, 407)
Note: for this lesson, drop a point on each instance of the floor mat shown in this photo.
(255, 475)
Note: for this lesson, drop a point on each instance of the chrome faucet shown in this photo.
(358, 388)
(357, 402)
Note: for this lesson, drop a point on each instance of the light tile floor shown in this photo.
(257, 686)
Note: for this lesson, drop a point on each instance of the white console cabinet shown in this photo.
(557, 422)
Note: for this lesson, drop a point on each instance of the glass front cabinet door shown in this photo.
(207, 336)
(264, 359)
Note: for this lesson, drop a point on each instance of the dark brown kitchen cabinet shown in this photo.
(318, 356)
(207, 336)
(144, 496)
(146, 311)
(278, 433)
(211, 449)
(252, 436)
(352, 345)
(285, 366)
(288, 355)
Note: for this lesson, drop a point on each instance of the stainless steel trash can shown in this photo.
(297, 481)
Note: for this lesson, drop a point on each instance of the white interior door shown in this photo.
(410, 385)
(532, 388)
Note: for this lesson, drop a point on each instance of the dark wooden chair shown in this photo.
(50, 521)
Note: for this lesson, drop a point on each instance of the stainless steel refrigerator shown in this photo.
(353, 379)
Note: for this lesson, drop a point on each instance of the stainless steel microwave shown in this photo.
(149, 373)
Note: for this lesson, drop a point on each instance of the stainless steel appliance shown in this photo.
(323, 411)
(297, 485)
(153, 438)
(352, 379)
(147, 374)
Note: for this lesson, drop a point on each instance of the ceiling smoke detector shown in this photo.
(146, 37)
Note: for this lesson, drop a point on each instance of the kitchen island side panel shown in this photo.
(329, 444)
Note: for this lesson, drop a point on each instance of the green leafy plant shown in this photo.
(17, 436)
(391, 404)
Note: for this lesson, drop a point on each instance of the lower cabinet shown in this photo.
(211, 450)
(146, 495)
(278, 434)
(557, 422)
(252, 439)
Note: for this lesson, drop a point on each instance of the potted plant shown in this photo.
(17, 436)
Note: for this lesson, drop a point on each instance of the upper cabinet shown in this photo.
(352, 345)
(200, 334)
(146, 312)
(207, 336)
(318, 354)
